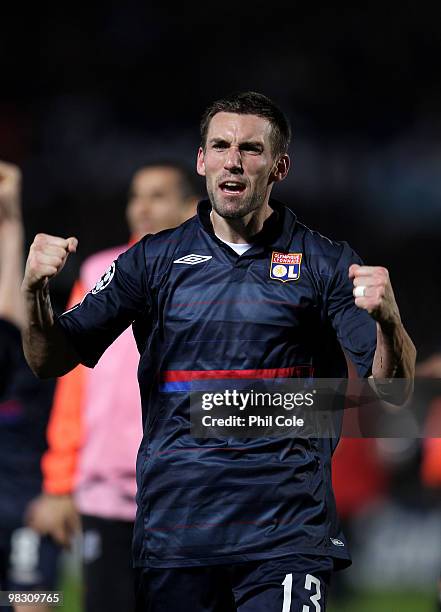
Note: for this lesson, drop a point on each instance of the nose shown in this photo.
(233, 161)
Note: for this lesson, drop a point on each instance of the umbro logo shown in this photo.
(193, 259)
(337, 542)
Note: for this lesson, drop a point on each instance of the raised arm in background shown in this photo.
(11, 245)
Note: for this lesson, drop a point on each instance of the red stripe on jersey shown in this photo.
(188, 375)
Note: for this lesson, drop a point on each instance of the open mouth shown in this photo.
(232, 187)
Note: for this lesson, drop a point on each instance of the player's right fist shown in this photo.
(46, 259)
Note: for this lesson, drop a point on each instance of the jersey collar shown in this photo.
(277, 230)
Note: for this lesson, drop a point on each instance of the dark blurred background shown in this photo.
(88, 94)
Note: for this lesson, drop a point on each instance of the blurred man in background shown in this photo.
(27, 560)
(95, 427)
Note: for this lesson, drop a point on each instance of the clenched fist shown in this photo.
(46, 259)
(373, 292)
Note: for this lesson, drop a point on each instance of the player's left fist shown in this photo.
(373, 292)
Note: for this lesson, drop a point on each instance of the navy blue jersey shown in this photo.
(199, 311)
(25, 404)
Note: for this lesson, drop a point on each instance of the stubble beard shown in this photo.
(234, 209)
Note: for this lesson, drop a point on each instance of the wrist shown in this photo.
(37, 290)
(390, 326)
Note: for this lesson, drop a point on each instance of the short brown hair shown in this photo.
(251, 103)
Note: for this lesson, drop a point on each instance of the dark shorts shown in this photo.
(28, 561)
(107, 565)
(295, 584)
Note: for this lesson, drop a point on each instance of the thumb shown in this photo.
(352, 270)
(72, 244)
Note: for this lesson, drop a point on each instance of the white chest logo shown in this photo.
(192, 259)
(337, 542)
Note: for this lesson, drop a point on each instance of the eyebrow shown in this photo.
(246, 143)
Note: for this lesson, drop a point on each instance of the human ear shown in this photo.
(280, 168)
(200, 163)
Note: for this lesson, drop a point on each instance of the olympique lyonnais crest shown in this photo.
(285, 266)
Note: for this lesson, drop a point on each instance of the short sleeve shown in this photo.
(119, 297)
(355, 328)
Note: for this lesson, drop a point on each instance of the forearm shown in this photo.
(46, 348)
(394, 358)
(11, 271)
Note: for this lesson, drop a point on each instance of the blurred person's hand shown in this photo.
(46, 259)
(10, 192)
(430, 367)
(54, 515)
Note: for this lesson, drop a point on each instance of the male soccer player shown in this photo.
(224, 524)
(87, 468)
(28, 562)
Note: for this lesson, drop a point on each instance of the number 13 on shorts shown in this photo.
(311, 584)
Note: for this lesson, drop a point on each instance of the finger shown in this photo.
(352, 270)
(44, 259)
(368, 292)
(72, 244)
(367, 281)
(370, 305)
(38, 524)
(55, 251)
(367, 303)
(364, 270)
(43, 271)
(48, 239)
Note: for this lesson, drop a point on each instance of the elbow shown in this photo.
(36, 365)
(50, 370)
(42, 371)
(396, 401)
(48, 362)
(399, 400)
(394, 392)
(42, 368)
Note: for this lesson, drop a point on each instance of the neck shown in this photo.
(242, 230)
